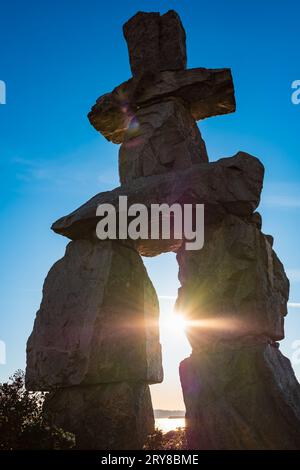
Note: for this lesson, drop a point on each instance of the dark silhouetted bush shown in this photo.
(22, 423)
(172, 440)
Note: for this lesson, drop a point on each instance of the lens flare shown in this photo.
(175, 323)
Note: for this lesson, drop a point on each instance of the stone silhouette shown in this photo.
(153, 115)
(95, 343)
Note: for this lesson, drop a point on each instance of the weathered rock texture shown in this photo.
(240, 391)
(205, 92)
(98, 321)
(160, 138)
(154, 114)
(234, 286)
(104, 417)
(241, 395)
(155, 42)
(228, 186)
(95, 344)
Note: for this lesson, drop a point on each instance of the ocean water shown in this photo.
(167, 424)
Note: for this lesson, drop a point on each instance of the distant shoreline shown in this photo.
(172, 414)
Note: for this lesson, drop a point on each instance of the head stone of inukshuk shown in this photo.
(153, 115)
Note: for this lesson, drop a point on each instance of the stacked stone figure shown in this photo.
(95, 343)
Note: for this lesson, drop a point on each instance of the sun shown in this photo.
(175, 323)
(178, 322)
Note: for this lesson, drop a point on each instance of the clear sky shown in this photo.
(56, 59)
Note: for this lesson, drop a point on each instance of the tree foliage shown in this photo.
(172, 440)
(22, 422)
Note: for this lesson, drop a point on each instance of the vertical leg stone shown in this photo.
(105, 417)
(98, 320)
(240, 391)
(95, 344)
(241, 395)
(234, 286)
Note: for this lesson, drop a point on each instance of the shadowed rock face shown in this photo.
(205, 93)
(234, 286)
(98, 321)
(104, 417)
(241, 395)
(155, 42)
(230, 185)
(154, 114)
(159, 139)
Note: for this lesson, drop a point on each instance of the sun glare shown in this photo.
(175, 323)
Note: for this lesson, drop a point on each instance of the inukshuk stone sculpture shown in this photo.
(95, 344)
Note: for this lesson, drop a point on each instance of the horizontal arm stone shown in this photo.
(206, 92)
(230, 185)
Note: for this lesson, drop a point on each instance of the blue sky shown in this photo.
(56, 59)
